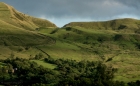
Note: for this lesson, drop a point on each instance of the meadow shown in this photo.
(115, 43)
(112, 48)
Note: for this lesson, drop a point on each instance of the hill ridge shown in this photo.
(21, 20)
(122, 25)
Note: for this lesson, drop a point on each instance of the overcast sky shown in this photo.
(62, 12)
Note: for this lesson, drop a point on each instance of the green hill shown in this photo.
(18, 32)
(126, 25)
(115, 42)
(10, 16)
(118, 47)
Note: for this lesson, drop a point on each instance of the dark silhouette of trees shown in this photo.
(66, 73)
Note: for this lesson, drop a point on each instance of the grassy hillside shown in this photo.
(18, 34)
(112, 47)
(115, 42)
(10, 16)
(126, 25)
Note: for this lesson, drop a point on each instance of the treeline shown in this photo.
(19, 71)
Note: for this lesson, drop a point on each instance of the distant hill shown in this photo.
(123, 25)
(115, 43)
(9, 17)
(17, 28)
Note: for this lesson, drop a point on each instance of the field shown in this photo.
(111, 47)
(85, 45)
(115, 43)
(44, 64)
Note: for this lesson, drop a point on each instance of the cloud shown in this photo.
(70, 10)
(130, 3)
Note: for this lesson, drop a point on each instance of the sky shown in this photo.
(62, 12)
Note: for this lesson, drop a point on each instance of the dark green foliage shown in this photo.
(67, 73)
(122, 27)
(38, 56)
(83, 73)
(54, 31)
(68, 28)
(137, 83)
(27, 72)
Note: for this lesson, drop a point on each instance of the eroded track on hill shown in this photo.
(10, 40)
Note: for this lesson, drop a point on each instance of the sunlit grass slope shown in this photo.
(116, 47)
(126, 25)
(10, 16)
(115, 42)
(18, 29)
(18, 34)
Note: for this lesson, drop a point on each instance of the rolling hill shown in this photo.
(115, 42)
(11, 17)
(127, 25)
(18, 31)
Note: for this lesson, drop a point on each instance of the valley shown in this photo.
(115, 43)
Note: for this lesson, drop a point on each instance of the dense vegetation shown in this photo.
(112, 48)
(91, 46)
(18, 71)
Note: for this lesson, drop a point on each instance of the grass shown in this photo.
(18, 30)
(107, 46)
(44, 64)
(2, 64)
(9, 17)
(58, 51)
(128, 66)
(129, 25)
(85, 45)
(115, 42)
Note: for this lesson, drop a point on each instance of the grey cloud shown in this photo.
(130, 3)
(81, 9)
